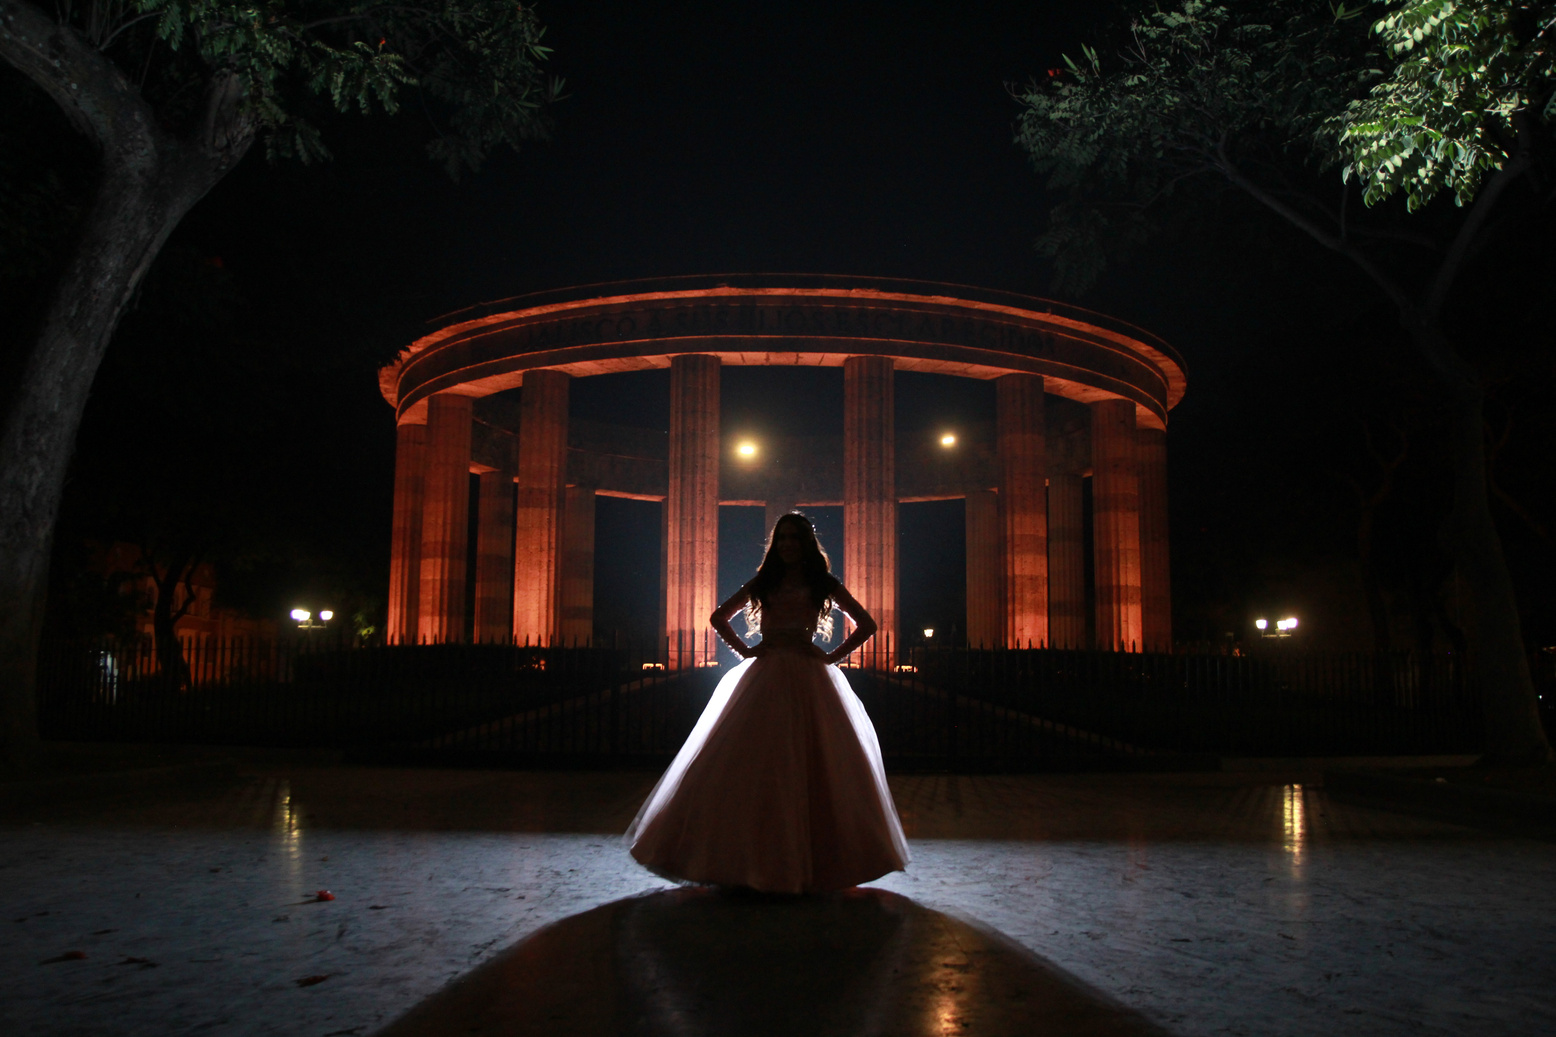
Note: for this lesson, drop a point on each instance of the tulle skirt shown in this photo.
(778, 788)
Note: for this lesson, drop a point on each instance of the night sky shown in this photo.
(866, 138)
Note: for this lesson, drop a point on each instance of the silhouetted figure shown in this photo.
(780, 786)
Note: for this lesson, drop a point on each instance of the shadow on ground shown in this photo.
(697, 961)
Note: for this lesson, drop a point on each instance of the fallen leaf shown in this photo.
(324, 894)
(308, 981)
(67, 956)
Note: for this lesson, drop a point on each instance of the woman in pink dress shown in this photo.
(779, 787)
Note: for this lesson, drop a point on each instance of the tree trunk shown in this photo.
(149, 180)
(1494, 632)
(164, 624)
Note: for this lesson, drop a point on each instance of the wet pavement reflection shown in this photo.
(1208, 904)
(692, 962)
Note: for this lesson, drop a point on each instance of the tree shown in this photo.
(1470, 86)
(1257, 99)
(172, 94)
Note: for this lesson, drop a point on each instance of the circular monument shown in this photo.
(1079, 395)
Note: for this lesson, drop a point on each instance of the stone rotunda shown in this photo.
(1078, 396)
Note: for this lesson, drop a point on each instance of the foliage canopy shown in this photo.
(1194, 94)
(1469, 78)
(477, 64)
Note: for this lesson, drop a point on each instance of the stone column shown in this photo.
(870, 497)
(1115, 496)
(1023, 457)
(578, 566)
(1066, 562)
(692, 508)
(1155, 571)
(985, 570)
(445, 520)
(538, 513)
(410, 485)
(494, 557)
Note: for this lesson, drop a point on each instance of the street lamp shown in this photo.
(1283, 627)
(305, 620)
(948, 440)
(746, 449)
(929, 632)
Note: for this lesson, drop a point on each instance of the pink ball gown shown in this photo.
(780, 786)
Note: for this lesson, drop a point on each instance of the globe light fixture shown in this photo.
(301, 615)
(1261, 624)
(746, 449)
(948, 439)
(326, 615)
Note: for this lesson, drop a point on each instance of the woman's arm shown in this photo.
(726, 612)
(864, 624)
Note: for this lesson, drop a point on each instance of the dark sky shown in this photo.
(859, 138)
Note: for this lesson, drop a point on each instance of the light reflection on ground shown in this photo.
(1209, 906)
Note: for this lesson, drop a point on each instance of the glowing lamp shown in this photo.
(301, 615)
(929, 631)
(1291, 624)
(948, 440)
(326, 615)
(1261, 624)
(746, 449)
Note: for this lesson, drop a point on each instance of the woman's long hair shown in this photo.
(815, 565)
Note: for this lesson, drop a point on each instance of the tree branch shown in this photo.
(1485, 201)
(1392, 289)
(126, 25)
(89, 88)
(189, 591)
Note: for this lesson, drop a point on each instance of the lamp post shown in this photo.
(1283, 627)
(305, 619)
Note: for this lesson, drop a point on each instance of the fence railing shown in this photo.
(1015, 704)
(624, 704)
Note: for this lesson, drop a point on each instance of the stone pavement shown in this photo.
(1101, 904)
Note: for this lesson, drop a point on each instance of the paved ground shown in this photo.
(1195, 904)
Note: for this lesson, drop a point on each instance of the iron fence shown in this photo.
(629, 705)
